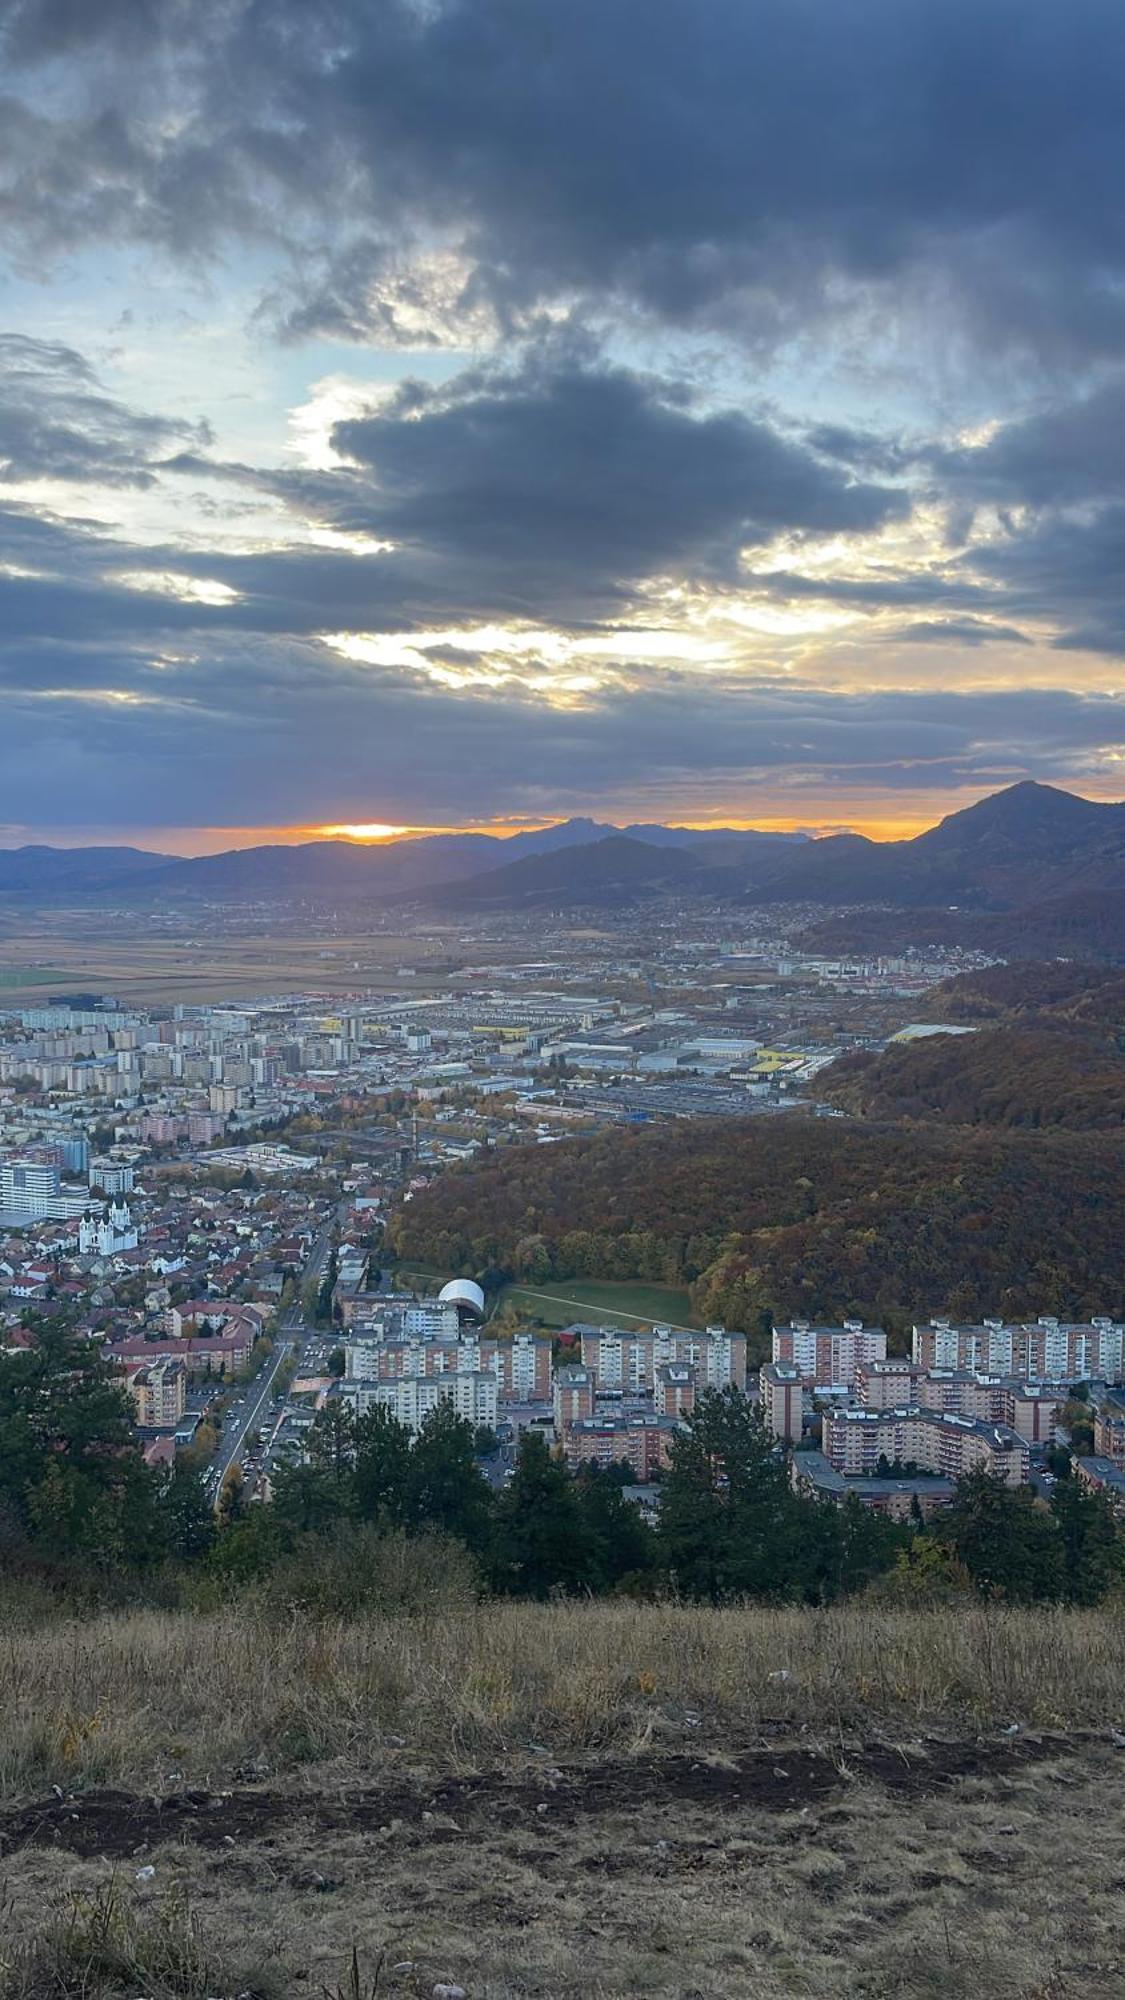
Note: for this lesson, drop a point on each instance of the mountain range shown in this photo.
(1028, 863)
(345, 869)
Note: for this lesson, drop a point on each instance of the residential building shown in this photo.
(1048, 1349)
(674, 1392)
(642, 1443)
(522, 1367)
(1104, 1475)
(159, 1392)
(901, 1498)
(629, 1360)
(411, 1398)
(1109, 1433)
(783, 1398)
(829, 1357)
(855, 1441)
(573, 1398)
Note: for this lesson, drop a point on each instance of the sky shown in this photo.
(474, 412)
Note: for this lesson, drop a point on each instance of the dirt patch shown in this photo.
(782, 1779)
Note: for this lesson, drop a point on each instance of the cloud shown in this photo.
(585, 477)
(1070, 453)
(56, 423)
(761, 168)
(959, 631)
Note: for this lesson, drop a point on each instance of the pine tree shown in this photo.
(445, 1487)
(1092, 1542)
(1010, 1546)
(542, 1541)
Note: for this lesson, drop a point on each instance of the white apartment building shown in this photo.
(629, 1361)
(1046, 1349)
(412, 1397)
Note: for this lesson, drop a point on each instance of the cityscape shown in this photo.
(562, 1000)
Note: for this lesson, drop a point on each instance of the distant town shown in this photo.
(201, 1190)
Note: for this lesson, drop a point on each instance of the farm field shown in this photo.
(41, 957)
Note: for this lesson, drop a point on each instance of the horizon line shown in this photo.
(195, 842)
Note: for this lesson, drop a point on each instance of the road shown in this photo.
(247, 1411)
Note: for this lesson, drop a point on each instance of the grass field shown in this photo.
(561, 1300)
(584, 1802)
(27, 978)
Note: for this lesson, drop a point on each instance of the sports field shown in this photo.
(559, 1300)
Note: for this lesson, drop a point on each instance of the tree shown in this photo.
(187, 1518)
(72, 1479)
(445, 1488)
(382, 1468)
(307, 1498)
(1009, 1546)
(331, 1441)
(727, 1513)
(622, 1543)
(337, 1362)
(1092, 1543)
(542, 1540)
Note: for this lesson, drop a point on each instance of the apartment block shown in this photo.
(411, 1398)
(643, 1443)
(1109, 1434)
(573, 1398)
(887, 1385)
(1047, 1349)
(783, 1398)
(159, 1394)
(1030, 1408)
(522, 1367)
(829, 1357)
(936, 1441)
(629, 1360)
(674, 1393)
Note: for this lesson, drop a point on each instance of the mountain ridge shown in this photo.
(1029, 856)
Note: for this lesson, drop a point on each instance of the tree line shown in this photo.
(78, 1505)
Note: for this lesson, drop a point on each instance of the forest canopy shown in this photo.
(796, 1215)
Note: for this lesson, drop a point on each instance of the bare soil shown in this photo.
(979, 1868)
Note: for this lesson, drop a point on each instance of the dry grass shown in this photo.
(600, 1802)
(998, 1887)
(146, 1698)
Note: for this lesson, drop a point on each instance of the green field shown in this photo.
(560, 1300)
(29, 976)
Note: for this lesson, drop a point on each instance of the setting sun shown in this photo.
(370, 830)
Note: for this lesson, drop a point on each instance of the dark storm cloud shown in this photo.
(1069, 571)
(555, 491)
(714, 161)
(56, 423)
(1069, 453)
(578, 473)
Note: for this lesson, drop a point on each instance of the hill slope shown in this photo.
(796, 1215)
(1036, 1076)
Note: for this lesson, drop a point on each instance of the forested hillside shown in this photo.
(1057, 988)
(796, 1215)
(1035, 1076)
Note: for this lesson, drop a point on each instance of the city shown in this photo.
(562, 1000)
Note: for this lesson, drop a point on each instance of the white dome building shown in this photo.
(467, 1297)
